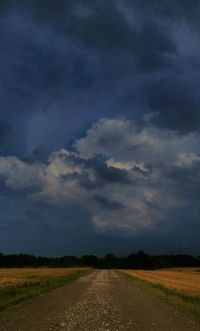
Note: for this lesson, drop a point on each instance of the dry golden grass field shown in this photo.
(30, 276)
(183, 280)
(19, 284)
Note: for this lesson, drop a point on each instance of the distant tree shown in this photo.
(139, 260)
(89, 260)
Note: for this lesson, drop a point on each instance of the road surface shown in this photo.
(102, 300)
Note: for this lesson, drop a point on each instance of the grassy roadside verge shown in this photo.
(184, 303)
(15, 294)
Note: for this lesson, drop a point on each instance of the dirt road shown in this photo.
(103, 300)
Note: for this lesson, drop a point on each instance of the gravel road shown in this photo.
(102, 300)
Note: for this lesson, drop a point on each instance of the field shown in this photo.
(19, 284)
(179, 286)
(104, 300)
(184, 280)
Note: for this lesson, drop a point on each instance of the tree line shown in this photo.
(139, 260)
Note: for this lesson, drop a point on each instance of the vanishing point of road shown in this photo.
(101, 301)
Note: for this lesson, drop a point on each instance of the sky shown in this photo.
(99, 126)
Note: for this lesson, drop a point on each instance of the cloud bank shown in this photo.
(129, 178)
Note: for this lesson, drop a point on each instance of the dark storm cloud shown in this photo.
(108, 204)
(140, 29)
(60, 231)
(108, 174)
(58, 11)
(152, 48)
(175, 106)
(104, 26)
(6, 133)
(188, 182)
(104, 174)
(171, 9)
(62, 60)
(41, 72)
